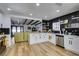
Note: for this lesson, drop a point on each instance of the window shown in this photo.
(13, 30)
(21, 29)
(18, 29)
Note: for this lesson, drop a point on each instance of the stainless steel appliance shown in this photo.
(60, 40)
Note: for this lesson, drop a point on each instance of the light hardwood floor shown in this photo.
(41, 49)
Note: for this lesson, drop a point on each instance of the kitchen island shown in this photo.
(37, 37)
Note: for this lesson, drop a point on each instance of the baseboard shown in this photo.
(37, 43)
(21, 41)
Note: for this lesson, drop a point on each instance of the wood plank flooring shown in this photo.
(41, 49)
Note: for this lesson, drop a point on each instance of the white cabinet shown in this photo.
(71, 42)
(38, 38)
(68, 42)
(44, 37)
(75, 44)
(53, 38)
(33, 38)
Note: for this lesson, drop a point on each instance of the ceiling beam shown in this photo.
(25, 21)
(34, 23)
(30, 22)
(38, 23)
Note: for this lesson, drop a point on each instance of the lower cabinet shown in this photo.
(75, 44)
(52, 38)
(34, 37)
(67, 42)
(38, 38)
(71, 43)
(44, 37)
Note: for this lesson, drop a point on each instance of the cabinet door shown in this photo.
(45, 36)
(37, 38)
(32, 38)
(67, 42)
(70, 39)
(71, 43)
(40, 37)
(75, 44)
(53, 39)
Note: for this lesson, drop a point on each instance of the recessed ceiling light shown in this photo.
(57, 10)
(37, 4)
(9, 9)
(45, 16)
(30, 14)
(72, 16)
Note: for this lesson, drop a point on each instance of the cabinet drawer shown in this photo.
(70, 37)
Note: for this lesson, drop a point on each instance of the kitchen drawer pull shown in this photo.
(71, 42)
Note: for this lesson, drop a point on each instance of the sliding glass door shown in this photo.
(13, 30)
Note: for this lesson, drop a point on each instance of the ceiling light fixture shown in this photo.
(30, 14)
(9, 9)
(45, 16)
(57, 10)
(37, 4)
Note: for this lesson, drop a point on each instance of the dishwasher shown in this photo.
(60, 40)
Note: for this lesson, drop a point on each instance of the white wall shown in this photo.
(5, 21)
(0, 19)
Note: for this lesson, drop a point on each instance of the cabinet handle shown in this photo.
(71, 42)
